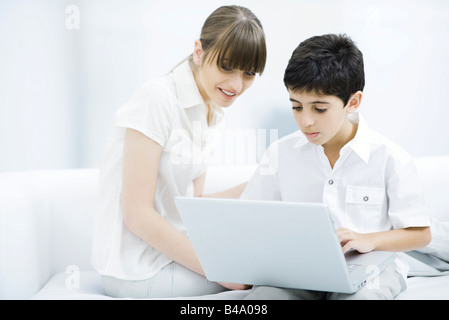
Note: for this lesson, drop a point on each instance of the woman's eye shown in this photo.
(297, 108)
(320, 110)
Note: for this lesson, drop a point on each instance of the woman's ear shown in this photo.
(354, 102)
(198, 53)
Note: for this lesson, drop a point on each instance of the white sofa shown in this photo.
(46, 220)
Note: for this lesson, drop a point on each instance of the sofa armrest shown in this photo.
(24, 232)
(45, 226)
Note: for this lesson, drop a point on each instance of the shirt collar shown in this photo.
(361, 143)
(187, 90)
(189, 95)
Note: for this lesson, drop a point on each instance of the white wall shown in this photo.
(62, 79)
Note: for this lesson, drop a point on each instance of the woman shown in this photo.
(155, 154)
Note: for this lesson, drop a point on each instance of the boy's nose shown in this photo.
(307, 121)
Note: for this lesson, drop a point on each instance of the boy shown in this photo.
(369, 183)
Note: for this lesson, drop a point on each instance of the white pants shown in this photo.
(389, 285)
(173, 280)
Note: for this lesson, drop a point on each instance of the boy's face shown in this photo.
(323, 119)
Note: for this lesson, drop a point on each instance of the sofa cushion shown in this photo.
(86, 285)
(62, 287)
(434, 174)
(78, 285)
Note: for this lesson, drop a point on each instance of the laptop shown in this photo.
(275, 243)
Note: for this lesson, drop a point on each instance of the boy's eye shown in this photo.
(226, 68)
(250, 74)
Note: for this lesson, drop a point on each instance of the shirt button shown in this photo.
(331, 182)
(365, 198)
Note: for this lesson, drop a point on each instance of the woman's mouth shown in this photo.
(228, 94)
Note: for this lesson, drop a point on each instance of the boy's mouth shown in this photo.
(311, 135)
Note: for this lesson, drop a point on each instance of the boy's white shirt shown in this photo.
(373, 186)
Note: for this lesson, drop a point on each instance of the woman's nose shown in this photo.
(236, 82)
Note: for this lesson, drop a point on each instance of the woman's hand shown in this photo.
(235, 286)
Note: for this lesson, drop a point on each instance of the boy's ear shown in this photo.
(198, 53)
(354, 102)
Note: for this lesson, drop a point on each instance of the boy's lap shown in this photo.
(384, 287)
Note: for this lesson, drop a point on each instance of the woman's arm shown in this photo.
(398, 240)
(140, 171)
(141, 157)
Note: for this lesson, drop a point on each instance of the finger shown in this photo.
(347, 246)
(345, 236)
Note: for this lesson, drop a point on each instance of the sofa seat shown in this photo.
(46, 221)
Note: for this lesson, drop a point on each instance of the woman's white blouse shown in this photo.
(171, 112)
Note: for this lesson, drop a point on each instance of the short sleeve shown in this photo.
(150, 111)
(264, 184)
(406, 204)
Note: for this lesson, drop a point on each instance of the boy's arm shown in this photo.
(398, 240)
(233, 193)
(406, 206)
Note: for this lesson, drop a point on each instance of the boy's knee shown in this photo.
(385, 286)
(363, 294)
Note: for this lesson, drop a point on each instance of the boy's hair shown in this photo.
(326, 65)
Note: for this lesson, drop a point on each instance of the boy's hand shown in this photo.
(352, 240)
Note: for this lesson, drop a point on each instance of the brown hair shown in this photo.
(234, 36)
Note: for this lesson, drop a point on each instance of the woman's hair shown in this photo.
(329, 65)
(234, 36)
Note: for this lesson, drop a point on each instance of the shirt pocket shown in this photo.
(364, 208)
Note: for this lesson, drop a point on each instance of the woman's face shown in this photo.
(219, 85)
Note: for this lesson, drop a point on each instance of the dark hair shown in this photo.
(326, 65)
(234, 36)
